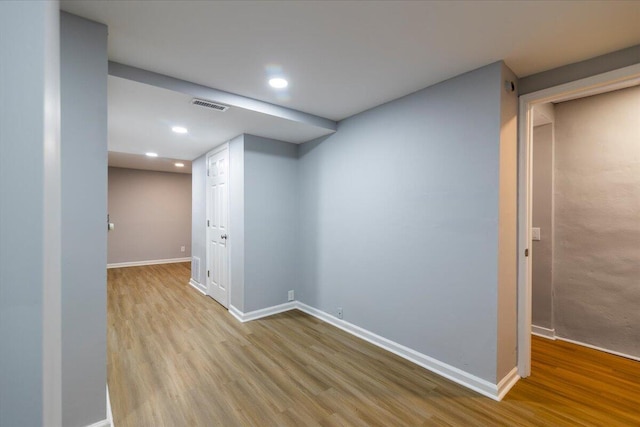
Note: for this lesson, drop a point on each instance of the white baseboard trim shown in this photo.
(452, 373)
(103, 423)
(543, 332)
(236, 313)
(148, 262)
(109, 413)
(507, 383)
(265, 312)
(197, 286)
(551, 334)
(482, 386)
(108, 422)
(615, 353)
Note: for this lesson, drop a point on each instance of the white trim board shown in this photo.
(108, 422)
(583, 344)
(543, 332)
(259, 314)
(482, 386)
(594, 347)
(197, 286)
(109, 413)
(550, 334)
(102, 423)
(148, 262)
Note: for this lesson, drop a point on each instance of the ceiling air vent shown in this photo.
(209, 104)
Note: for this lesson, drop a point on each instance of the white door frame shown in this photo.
(216, 150)
(606, 82)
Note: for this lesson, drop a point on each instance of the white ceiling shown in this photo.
(141, 117)
(140, 161)
(344, 57)
(542, 115)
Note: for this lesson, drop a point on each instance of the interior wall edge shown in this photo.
(579, 70)
(171, 83)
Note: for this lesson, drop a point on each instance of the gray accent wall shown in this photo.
(271, 221)
(596, 264)
(405, 218)
(580, 70)
(542, 250)
(84, 209)
(152, 213)
(263, 229)
(236, 222)
(198, 215)
(399, 222)
(29, 215)
(507, 225)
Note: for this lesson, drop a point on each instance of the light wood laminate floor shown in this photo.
(177, 358)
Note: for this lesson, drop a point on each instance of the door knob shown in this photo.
(224, 236)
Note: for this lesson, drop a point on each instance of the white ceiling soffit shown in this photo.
(203, 93)
(140, 161)
(141, 117)
(543, 114)
(345, 57)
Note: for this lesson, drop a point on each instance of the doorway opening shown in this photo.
(607, 82)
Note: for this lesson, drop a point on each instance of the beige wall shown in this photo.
(542, 250)
(507, 232)
(152, 215)
(596, 265)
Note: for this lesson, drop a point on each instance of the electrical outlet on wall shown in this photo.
(339, 312)
(181, 248)
(290, 296)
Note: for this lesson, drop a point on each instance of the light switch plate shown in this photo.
(535, 233)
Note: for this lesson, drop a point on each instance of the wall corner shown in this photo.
(506, 345)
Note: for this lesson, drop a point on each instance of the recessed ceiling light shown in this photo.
(151, 154)
(278, 83)
(179, 165)
(179, 129)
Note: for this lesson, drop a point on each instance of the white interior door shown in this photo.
(217, 225)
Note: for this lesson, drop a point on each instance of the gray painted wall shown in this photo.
(236, 221)
(507, 226)
(580, 70)
(542, 250)
(29, 215)
(597, 229)
(83, 58)
(198, 216)
(271, 221)
(399, 220)
(263, 238)
(152, 213)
